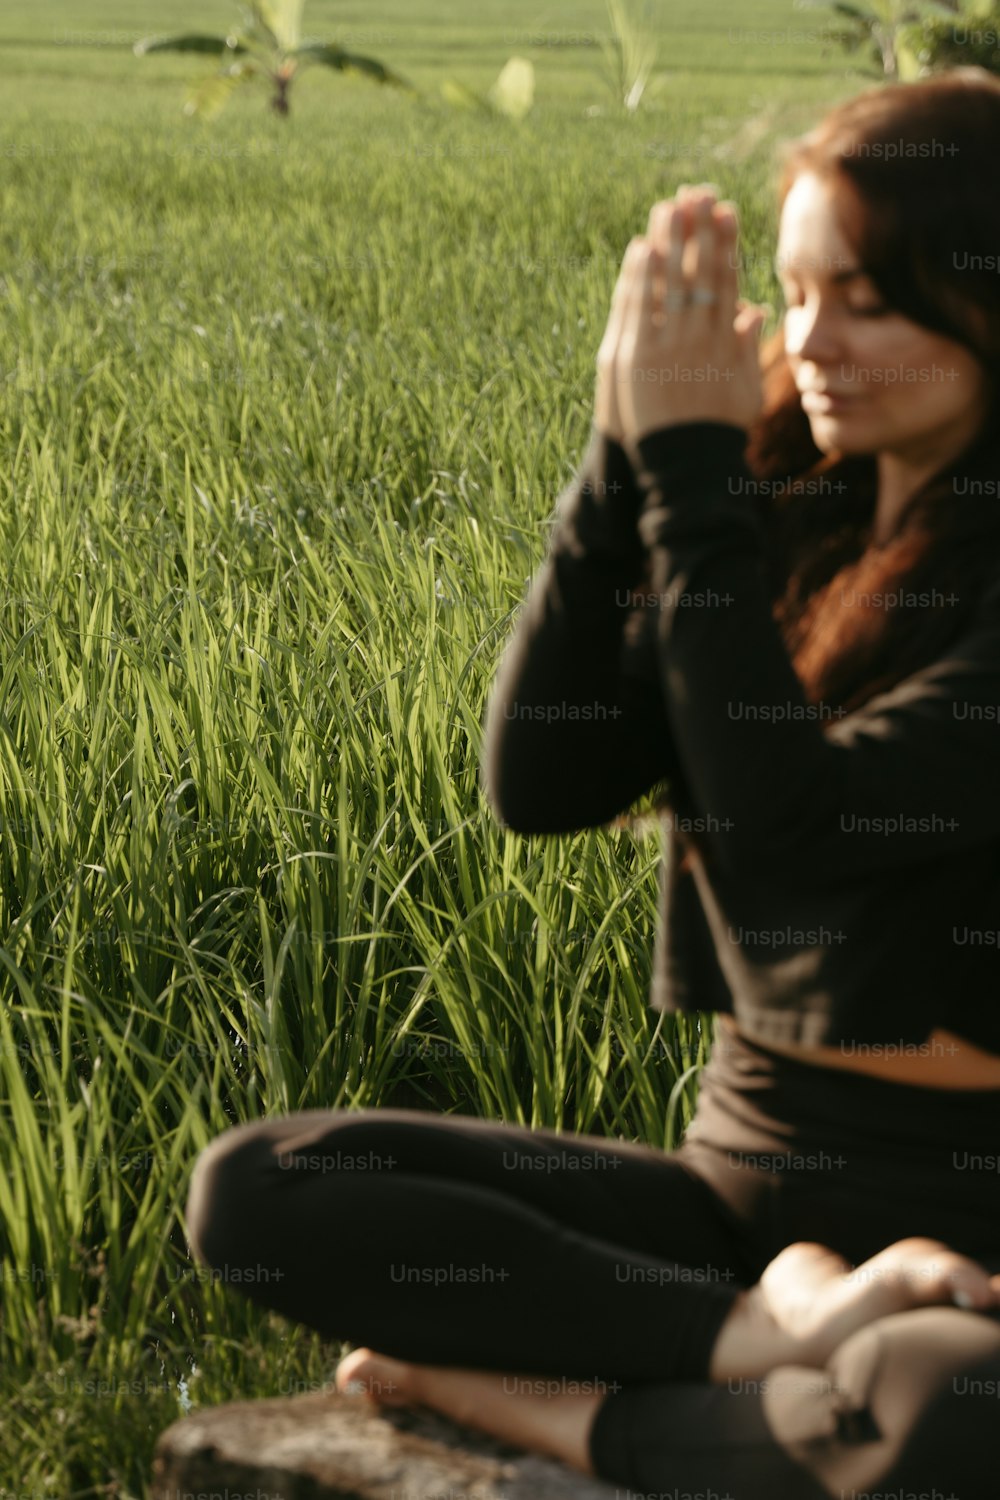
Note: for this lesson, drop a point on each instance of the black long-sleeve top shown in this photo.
(852, 889)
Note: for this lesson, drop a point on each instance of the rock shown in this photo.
(325, 1445)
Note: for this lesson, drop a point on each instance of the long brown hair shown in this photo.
(910, 166)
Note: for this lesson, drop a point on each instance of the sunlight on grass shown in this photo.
(285, 407)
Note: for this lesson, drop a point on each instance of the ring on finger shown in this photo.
(699, 296)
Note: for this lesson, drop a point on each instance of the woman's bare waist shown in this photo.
(944, 1060)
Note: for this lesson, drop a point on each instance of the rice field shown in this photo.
(285, 407)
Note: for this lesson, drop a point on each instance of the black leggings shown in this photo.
(450, 1240)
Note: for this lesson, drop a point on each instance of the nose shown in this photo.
(810, 335)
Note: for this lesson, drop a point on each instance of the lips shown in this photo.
(816, 400)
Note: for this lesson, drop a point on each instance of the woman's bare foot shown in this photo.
(809, 1300)
(544, 1414)
(806, 1304)
(387, 1382)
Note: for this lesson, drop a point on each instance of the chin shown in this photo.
(833, 435)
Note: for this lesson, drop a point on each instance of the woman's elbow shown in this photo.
(510, 801)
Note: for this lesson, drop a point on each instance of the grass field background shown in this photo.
(285, 407)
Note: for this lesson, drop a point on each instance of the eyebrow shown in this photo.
(839, 279)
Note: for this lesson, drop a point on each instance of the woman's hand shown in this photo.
(680, 345)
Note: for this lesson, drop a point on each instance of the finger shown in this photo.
(620, 288)
(970, 1284)
(674, 270)
(750, 319)
(659, 223)
(628, 288)
(744, 318)
(621, 278)
(613, 328)
(641, 302)
(626, 274)
(691, 198)
(705, 269)
(747, 329)
(686, 189)
(685, 211)
(706, 238)
(631, 266)
(619, 299)
(727, 275)
(660, 216)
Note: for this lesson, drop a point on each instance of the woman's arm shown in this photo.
(914, 774)
(576, 729)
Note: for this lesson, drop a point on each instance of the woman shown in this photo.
(713, 598)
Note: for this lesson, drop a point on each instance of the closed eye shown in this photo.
(876, 310)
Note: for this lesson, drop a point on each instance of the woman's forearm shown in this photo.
(576, 729)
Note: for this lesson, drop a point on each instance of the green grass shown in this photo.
(284, 411)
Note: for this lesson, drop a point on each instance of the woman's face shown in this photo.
(896, 386)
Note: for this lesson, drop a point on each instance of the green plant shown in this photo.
(269, 44)
(241, 396)
(969, 40)
(632, 49)
(512, 94)
(883, 29)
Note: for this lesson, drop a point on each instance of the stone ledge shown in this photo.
(328, 1446)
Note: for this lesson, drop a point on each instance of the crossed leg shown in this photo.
(831, 1340)
(317, 1216)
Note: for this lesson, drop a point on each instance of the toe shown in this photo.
(386, 1381)
(961, 1280)
(935, 1273)
(351, 1372)
(968, 1285)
